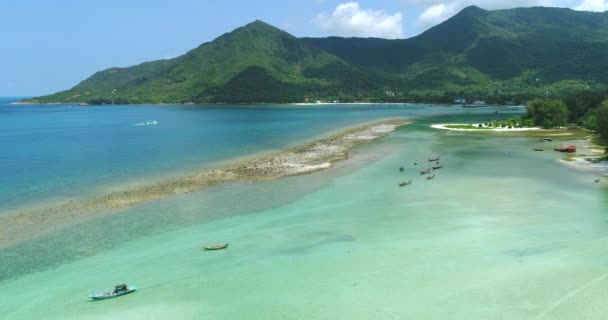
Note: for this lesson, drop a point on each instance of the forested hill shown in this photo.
(498, 56)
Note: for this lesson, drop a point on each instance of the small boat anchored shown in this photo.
(438, 167)
(430, 177)
(434, 159)
(216, 247)
(566, 148)
(425, 171)
(403, 184)
(118, 291)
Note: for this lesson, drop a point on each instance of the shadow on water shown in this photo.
(317, 241)
(532, 251)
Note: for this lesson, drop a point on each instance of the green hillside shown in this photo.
(499, 56)
(256, 62)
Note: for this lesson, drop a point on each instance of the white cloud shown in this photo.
(593, 5)
(350, 20)
(435, 14)
(438, 11)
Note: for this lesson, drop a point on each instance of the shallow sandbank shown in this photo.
(310, 157)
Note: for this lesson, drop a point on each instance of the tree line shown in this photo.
(586, 109)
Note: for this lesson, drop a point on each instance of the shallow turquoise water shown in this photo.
(53, 152)
(502, 232)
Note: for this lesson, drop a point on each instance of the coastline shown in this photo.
(584, 163)
(443, 126)
(307, 158)
(588, 158)
(221, 103)
(29, 102)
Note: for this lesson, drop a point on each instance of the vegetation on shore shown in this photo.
(588, 109)
(547, 113)
(601, 116)
(502, 57)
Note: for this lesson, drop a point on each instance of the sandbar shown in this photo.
(318, 155)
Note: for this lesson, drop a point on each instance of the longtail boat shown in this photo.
(425, 171)
(216, 247)
(438, 167)
(433, 160)
(403, 184)
(118, 291)
(430, 177)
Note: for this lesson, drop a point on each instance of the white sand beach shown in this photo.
(444, 126)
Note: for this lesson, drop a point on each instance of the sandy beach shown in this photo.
(584, 164)
(307, 158)
(588, 158)
(444, 126)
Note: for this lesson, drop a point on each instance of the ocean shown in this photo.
(501, 232)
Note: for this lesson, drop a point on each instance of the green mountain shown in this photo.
(503, 55)
(256, 62)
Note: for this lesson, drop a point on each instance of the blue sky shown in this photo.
(47, 46)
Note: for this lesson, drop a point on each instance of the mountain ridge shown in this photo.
(500, 56)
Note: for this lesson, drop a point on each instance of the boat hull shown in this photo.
(111, 296)
(216, 247)
(567, 149)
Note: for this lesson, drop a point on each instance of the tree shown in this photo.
(548, 113)
(580, 103)
(601, 116)
(528, 123)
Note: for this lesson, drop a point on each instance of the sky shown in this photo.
(47, 46)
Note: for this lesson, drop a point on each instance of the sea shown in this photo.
(501, 232)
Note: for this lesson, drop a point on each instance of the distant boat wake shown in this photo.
(147, 123)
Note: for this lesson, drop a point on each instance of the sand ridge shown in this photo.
(307, 158)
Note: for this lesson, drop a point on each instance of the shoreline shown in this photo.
(320, 154)
(583, 163)
(589, 157)
(84, 104)
(443, 126)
